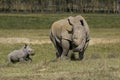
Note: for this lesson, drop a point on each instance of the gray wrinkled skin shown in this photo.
(21, 55)
(71, 33)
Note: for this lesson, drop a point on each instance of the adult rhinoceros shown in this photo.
(71, 33)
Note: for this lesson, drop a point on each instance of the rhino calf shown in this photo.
(21, 55)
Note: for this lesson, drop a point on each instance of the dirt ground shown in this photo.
(15, 40)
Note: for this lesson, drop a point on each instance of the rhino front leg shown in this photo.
(81, 55)
(28, 59)
(65, 48)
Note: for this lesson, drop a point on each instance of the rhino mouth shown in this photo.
(77, 48)
(32, 54)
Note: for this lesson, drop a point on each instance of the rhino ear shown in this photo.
(25, 45)
(82, 23)
(81, 19)
(71, 21)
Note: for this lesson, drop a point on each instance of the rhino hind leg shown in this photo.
(59, 51)
(57, 46)
(10, 60)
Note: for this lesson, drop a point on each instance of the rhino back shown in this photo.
(16, 54)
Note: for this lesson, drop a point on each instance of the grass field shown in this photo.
(101, 62)
(44, 21)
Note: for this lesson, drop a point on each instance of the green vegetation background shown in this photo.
(44, 21)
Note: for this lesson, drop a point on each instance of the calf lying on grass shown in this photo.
(21, 55)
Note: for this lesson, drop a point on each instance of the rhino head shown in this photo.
(29, 50)
(79, 34)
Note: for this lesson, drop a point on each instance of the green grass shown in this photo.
(28, 21)
(103, 20)
(28, 33)
(101, 62)
(44, 21)
(44, 33)
(105, 32)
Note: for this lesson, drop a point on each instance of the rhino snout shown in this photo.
(32, 53)
(76, 42)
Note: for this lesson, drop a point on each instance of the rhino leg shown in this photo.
(28, 59)
(57, 46)
(59, 50)
(81, 55)
(65, 47)
(9, 59)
